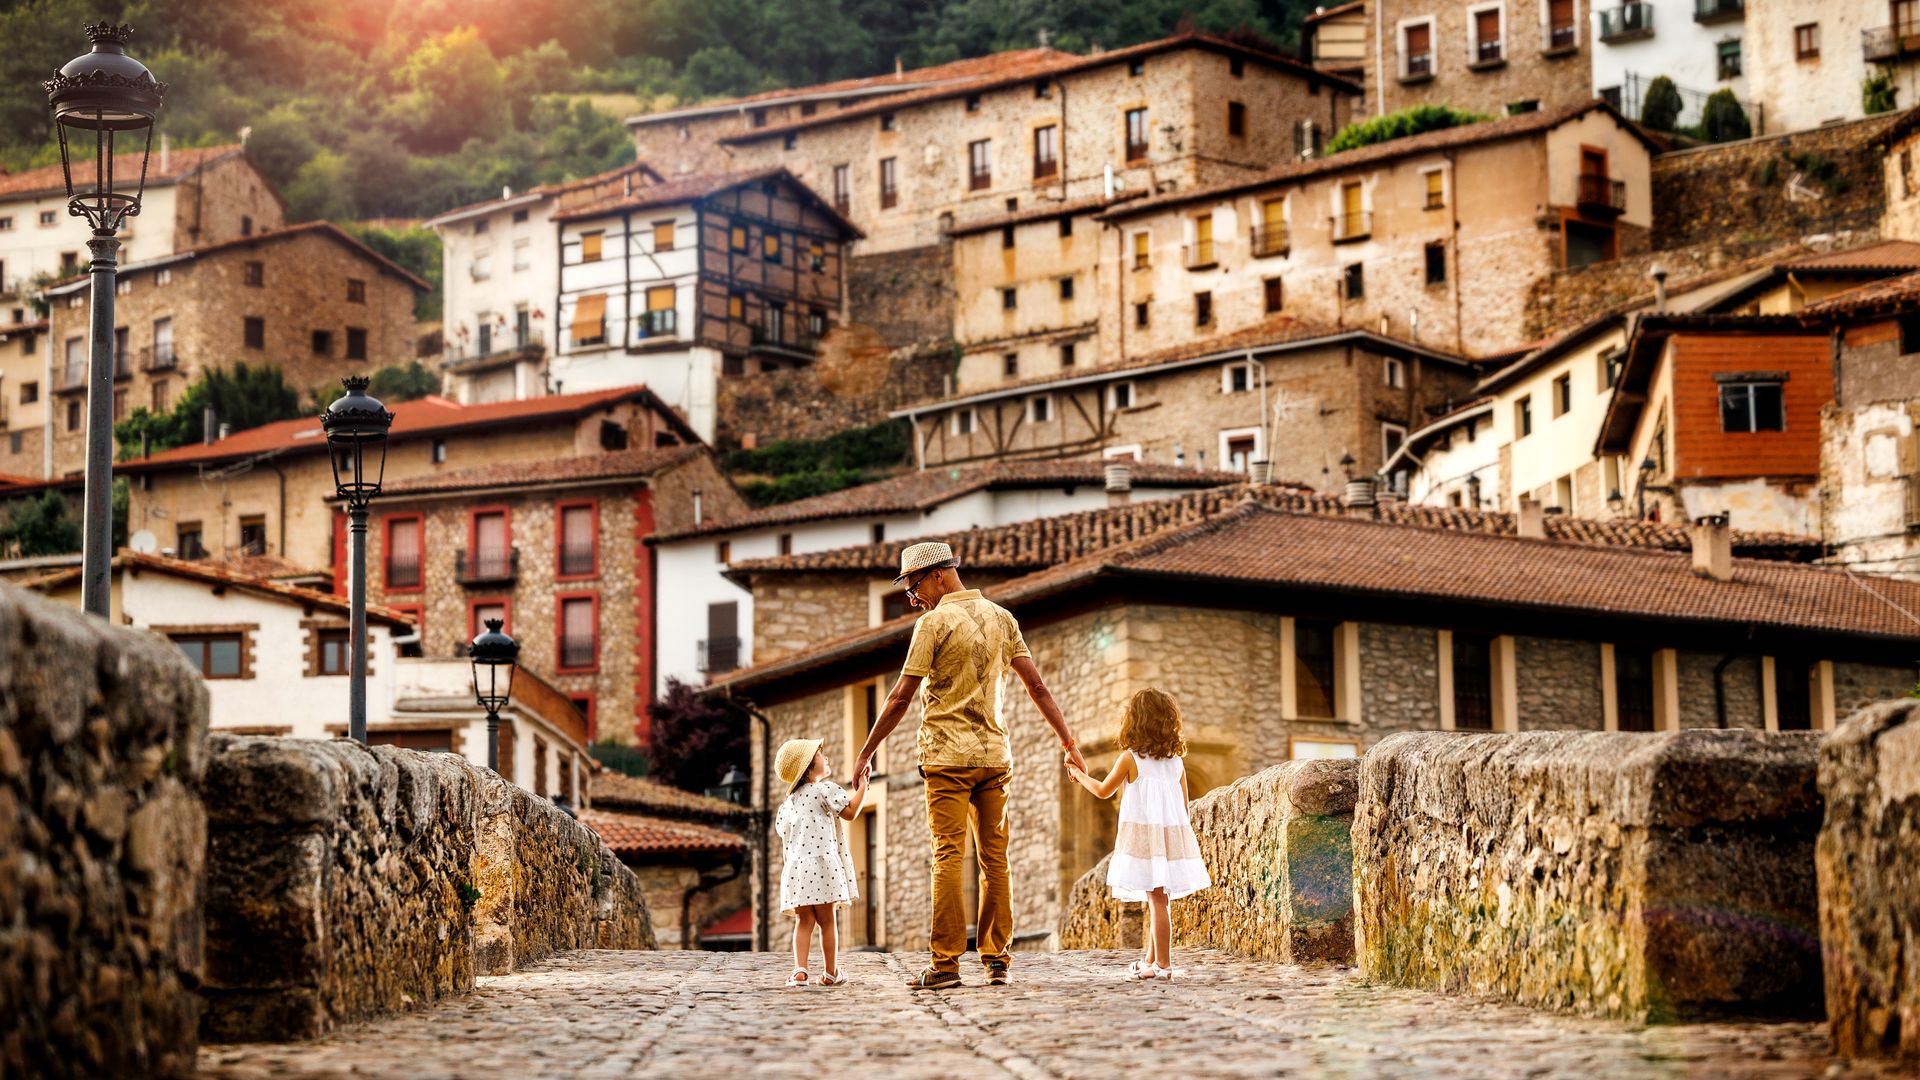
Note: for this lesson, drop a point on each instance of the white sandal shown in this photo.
(830, 979)
(798, 978)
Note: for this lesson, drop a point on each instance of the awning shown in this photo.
(589, 317)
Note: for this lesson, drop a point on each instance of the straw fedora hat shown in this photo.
(917, 557)
(790, 764)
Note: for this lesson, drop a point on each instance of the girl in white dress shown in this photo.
(1156, 857)
(818, 876)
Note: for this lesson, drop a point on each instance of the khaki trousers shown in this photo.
(960, 800)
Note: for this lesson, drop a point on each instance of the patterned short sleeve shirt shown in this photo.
(962, 648)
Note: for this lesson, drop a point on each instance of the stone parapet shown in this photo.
(102, 841)
(1868, 860)
(344, 882)
(1278, 848)
(1640, 876)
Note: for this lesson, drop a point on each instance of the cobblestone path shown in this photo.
(687, 1015)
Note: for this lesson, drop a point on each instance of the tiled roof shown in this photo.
(1041, 211)
(1048, 64)
(1328, 13)
(617, 465)
(972, 68)
(919, 491)
(1051, 541)
(50, 180)
(220, 576)
(690, 188)
(412, 419)
(259, 239)
(636, 834)
(1252, 545)
(617, 789)
(1886, 256)
(1879, 298)
(540, 191)
(1511, 127)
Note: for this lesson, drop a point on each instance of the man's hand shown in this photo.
(859, 780)
(1073, 757)
(862, 769)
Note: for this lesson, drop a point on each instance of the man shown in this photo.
(961, 648)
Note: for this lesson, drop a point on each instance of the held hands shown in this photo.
(1074, 761)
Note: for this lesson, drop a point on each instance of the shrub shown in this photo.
(1876, 93)
(696, 738)
(1723, 120)
(1660, 109)
(1417, 120)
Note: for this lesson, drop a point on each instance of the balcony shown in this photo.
(503, 346)
(1198, 256)
(487, 568)
(578, 652)
(662, 323)
(158, 357)
(794, 338)
(1349, 228)
(403, 570)
(1419, 68)
(1628, 22)
(1560, 40)
(576, 559)
(1708, 12)
(1885, 44)
(1486, 55)
(1602, 195)
(719, 655)
(1269, 241)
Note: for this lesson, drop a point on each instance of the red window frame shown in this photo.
(504, 603)
(386, 553)
(473, 531)
(560, 601)
(560, 539)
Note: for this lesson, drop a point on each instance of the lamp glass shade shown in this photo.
(356, 426)
(495, 658)
(95, 97)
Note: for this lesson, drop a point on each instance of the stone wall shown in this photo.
(102, 838)
(344, 882)
(906, 296)
(1868, 859)
(1277, 845)
(1557, 684)
(1645, 877)
(845, 388)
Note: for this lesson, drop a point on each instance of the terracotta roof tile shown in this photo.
(617, 789)
(913, 492)
(259, 239)
(1886, 256)
(214, 574)
(971, 68)
(1042, 211)
(563, 187)
(50, 179)
(617, 465)
(637, 834)
(1881, 297)
(691, 188)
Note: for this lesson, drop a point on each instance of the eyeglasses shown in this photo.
(913, 583)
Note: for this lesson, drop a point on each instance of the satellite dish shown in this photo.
(144, 542)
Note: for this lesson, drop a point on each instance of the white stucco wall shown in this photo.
(1679, 48)
(1442, 472)
(468, 299)
(1559, 446)
(1799, 93)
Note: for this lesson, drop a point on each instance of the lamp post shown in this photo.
(1640, 493)
(356, 427)
(106, 92)
(1473, 491)
(491, 651)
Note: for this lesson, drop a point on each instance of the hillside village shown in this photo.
(1553, 419)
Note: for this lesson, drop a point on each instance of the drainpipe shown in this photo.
(757, 825)
(282, 475)
(1453, 241)
(1720, 689)
(686, 902)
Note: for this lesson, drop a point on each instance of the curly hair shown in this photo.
(1151, 726)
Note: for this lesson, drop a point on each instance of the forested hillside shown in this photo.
(400, 108)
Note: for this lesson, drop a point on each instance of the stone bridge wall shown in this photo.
(102, 756)
(1278, 849)
(1645, 877)
(345, 881)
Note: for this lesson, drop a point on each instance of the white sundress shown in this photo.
(1155, 847)
(819, 865)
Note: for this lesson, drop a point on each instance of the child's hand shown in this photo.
(860, 780)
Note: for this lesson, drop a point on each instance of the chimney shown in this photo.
(1712, 547)
(1119, 482)
(166, 153)
(696, 507)
(226, 429)
(1360, 496)
(1659, 275)
(899, 66)
(1532, 519)
(209, 424)
(506, 192)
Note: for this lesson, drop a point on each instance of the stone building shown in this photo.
(682, 284)
(1300, 396)
(1806, 59)
(502, 273)
(1437, 238)
(265, 490)
(1335, 39)
(689, 850)
(555, 548)
(1499, 57)
(1900, 141)
(308, 299)
(1279, 643)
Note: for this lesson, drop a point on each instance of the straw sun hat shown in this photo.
(925, 556)
(791, 763)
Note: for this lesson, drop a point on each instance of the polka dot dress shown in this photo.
(819, 866)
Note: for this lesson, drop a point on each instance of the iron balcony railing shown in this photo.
(661, 323)
(1561, 37)
(1713, 11)
(577, 652)
(499, 343)
(1348, 227)
(1885, 43)
(795, 337)
(403, 570)
(1626, 22)
(1269, 240)
(576, 559)
(1486, 54)
(1419, 66)
(1602, 194)
(719, 655)
(1197, 256)
(158, 357)
(487, 567)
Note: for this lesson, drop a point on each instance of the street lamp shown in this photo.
(106, 92)
(356, 427)
(490, 652)
(733, 787)
(1473, 491)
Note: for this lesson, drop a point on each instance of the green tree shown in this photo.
(456, 91)
(1723, 119)
(242, 397)
(417, 249)
(696, 738)
(1876, 92)
(395, 382)
(1660, 108)
(39, 526)
(1416, 120)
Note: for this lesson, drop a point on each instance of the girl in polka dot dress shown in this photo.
(818, 876)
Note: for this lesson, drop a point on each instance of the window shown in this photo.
(816, 257)
(1046, 152)
(662, 236)
(1562, 31)
(1236, 378)
(520, 217)
(963, 421)
(254, 332)
(878, 534)
(1562, 395)
(1472, 682)
(254, 274)
(1353, 282)
(1236, 66)
(889, 185)
(404, 552)
(75, 373)
(1751, 406)
(1140, 313)
(973, 102)
(1237, 448)
(323, 343)
(188, 541)
(1039, 409)
(579, 633)
(1066, 227)
(1523, 417)
(1806, 41)
(47, 217)
(356, 291)
(1352, 222)
(1729, 59)
(1437, 263)
(591, 244)
(1136, 135)
(491, 557)
(438, 452)
(720, 652)
(1010, 365)
(842, 189)
(29, 393)
(1792, 696)
(979, 165)
(1416, 51)
(1066, 355)
(1202, 251)
(356, 343)
(1909, 339)
(1275, 294)
(482, 610)
(522, 254)
(73, 416)
(218, 656)
(759, 118)
(1142, 250)
(119, 405)
(1203, 309)
(1394, 372)
(1009, 299)
(481, 226)
(1436, 189)
(723, 552)
(770, 247)
(1120, 396)
(1006, 238)
(1633, 688)
(1236, 120)
(816, 322)
(1391, 437)
(1563, 495)
(578, 544)
(1136, 68)
(1486, 36)
(6, 223)
(1066, 288)
(786, 543)
(334, 653)
(1607, 367)
(886, 122)
(1313, 668)
(1042, 89)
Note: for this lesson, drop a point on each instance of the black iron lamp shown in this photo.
(492, 651)
(114, 98)
(1473, 491)
(356, 426)
(733, 786)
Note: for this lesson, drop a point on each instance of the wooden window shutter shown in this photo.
(590, 247)
(588, 314)
(1486, 25)
(1418, 38)
(660, 298)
